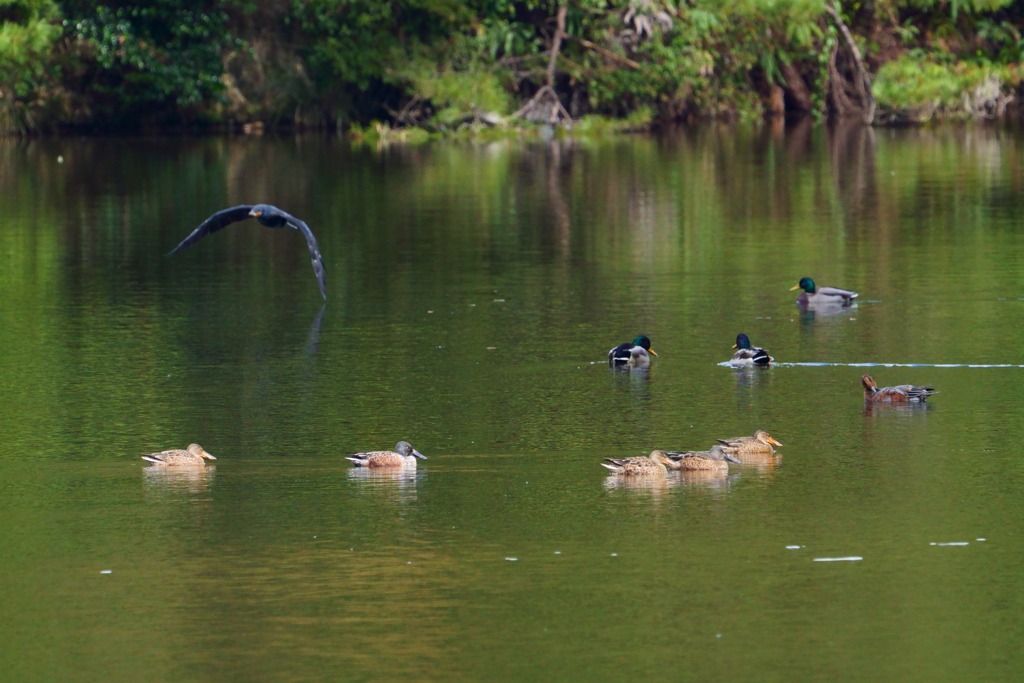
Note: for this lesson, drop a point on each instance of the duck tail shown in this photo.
(762, 358)
(152, 458)
(611, 468)
(360, 462)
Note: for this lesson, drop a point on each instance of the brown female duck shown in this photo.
(904, 393)
(715, 459)
(654, 463)
(404, 455)
(193, 456)
(760, 442)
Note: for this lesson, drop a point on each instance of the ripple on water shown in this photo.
(852, 558)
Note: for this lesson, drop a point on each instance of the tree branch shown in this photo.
(556, 43)
(548, 89)
(607, 53)
(863, 80)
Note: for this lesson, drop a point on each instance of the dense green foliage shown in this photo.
(446, 64)
(27, 33)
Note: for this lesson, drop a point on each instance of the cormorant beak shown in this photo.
(735, 346)
(773, 441)
(732, 458)
(418, 454)
(794, 288)
(652, 351)
(208, 456)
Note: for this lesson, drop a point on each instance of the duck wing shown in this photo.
(620, 354)
(314, 250)
(835, 291)
(754, 356)
(911, 391)
(905, 392)
(683, 455)
(217, 221)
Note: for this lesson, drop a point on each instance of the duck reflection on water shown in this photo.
(762, 462)
(811, 312)
(706, 479)
(396, 483)
(386, 477)
(747, 379)
(634, 385)
(184, 479)
(880, 408)
(655, 484)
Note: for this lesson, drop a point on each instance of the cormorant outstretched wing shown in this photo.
(226, 217)
(217, 221)
(314, 250)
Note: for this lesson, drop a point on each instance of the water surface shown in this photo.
(473, 293)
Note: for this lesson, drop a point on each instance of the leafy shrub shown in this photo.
(914, 87)
(27, 32)
(147, 57)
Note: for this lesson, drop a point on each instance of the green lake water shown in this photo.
(473, 294)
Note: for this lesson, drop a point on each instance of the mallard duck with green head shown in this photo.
(822, 295)
(748, 356)
(633, 355)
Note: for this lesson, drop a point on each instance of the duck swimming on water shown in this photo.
(822, 295)
(715, 459)
(760, 442)
(194, 456)
(404, 455)
(632, 355)
(748, 356)
(267, 215)
(904, 393)
(654, 463)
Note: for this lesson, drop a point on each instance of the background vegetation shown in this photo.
(445, 64)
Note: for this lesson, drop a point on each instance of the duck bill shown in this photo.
(773, 441)
(651, 351)
(732, 458)
(208, 456)
(735, 346)
(794, 288)
(418, 454)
